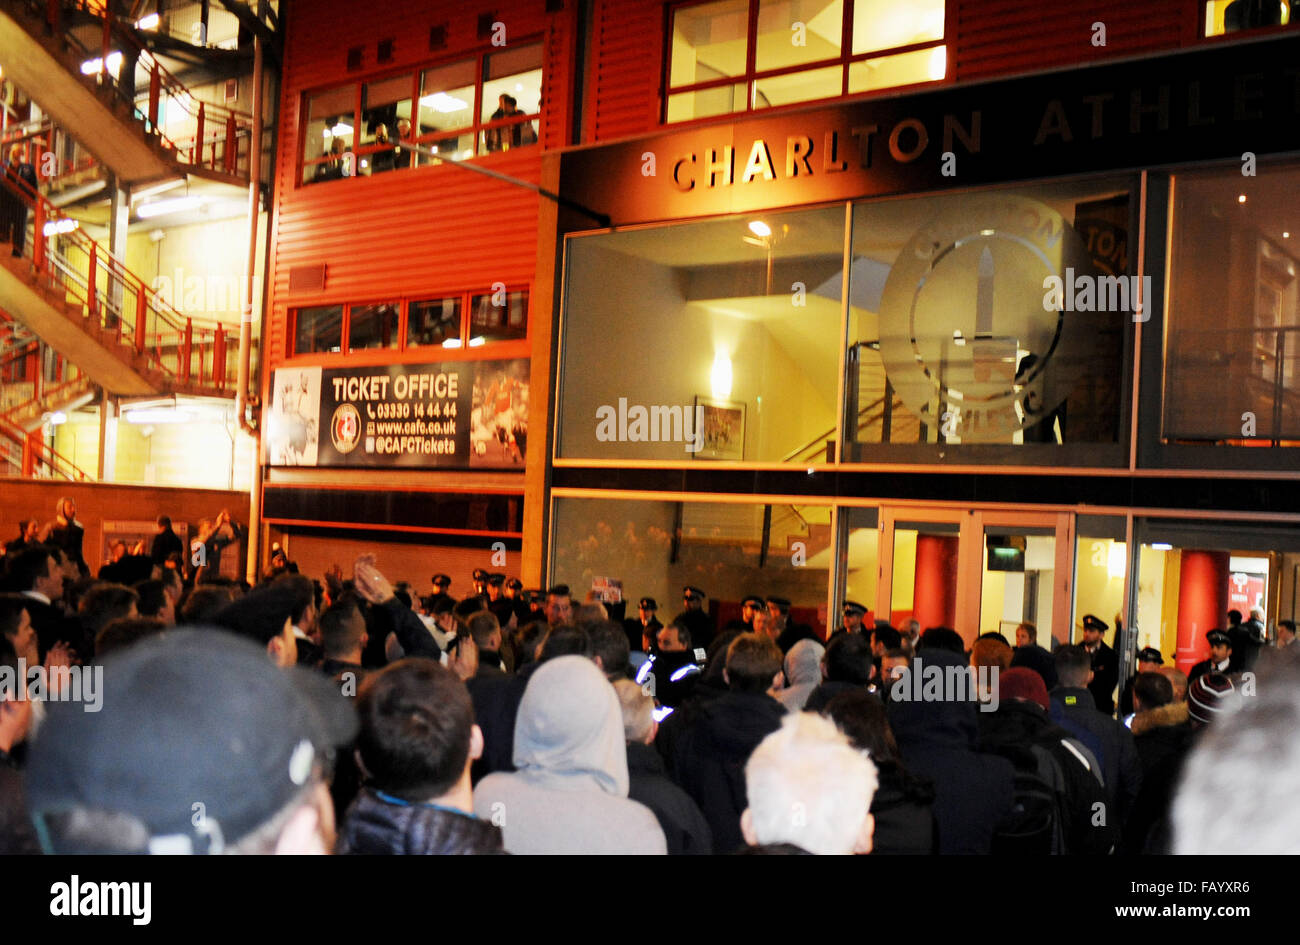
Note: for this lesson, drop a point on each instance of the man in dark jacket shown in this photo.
(1020, 730)
(1221, 655)
(1163, 736)
(1073, 710)
(14, 221)
(34, 574)
(417, 743)
(1105, 664)
(685, 828)
(937, 740)
(1032, 656)
(695, 617)
(707, 747)
(1149, 660)
(166, 542)
(643, 629)
(788, 633)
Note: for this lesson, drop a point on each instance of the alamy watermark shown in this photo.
(658, 423)
(84, 684)
(1085, 293)
(932, 682)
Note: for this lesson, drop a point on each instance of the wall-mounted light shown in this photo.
(1116, 560)
(96, 65)
(760, 229)
(720, 376)
(1162, 546)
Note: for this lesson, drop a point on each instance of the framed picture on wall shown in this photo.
(723, 423)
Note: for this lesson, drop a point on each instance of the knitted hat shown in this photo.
(1212, 696)
(1022, 683)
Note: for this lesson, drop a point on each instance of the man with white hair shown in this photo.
(1237, 793)
(809, 788)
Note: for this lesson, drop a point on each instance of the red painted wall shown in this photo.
(1202, 603)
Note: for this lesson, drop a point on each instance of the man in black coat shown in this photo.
(34, 574)
(695, 617)
(1030, 655)
(707, 743)
(166, 543)
(1220, 660)
(685, 828)
(644, 628)
(1074, 710)
(788, 633)
(937, 740)
(14, 220)
(1105, 663)
(1149, 660)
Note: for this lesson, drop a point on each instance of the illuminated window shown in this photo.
(491, 102)
(1233, 16)
(736, 55)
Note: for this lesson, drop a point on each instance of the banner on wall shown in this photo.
(457, 415)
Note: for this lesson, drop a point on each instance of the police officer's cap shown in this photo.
(1218, 638)
(441, 580)
(1091, 622)
(752, 601)
(515, 584)
(496, 580)
(480, 575)
(780, 602)
(648, 603)
(692, 593)
(853, 608)
(1149, 654)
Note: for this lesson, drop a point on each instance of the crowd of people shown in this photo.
(352, 714)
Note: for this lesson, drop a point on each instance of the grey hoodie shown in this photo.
(803, 674)
(569, 794)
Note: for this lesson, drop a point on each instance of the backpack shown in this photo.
(1035, 825)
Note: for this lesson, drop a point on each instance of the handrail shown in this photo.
(163, 86)
(45, 134)
(55, 461)
(117, 301)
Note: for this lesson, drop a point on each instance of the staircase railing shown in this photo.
(118, 306)
(46, 137)
(207, 135)
(40, 460)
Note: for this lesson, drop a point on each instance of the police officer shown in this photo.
(512, 588)
(479, 579)
(643, 629)
(494, 585)
(695, 618)
(441, 582)
(745, 622)
(1149, 660)
(787, 633)
(851, 614)
(1220, 656)
(1105, 666)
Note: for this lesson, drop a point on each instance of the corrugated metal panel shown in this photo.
(1009, 36)
(431, 230)
(625, 70)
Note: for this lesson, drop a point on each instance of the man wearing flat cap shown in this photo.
(1105, 666)
(479, 579)
(745, 622)
(695, 617)
(1149, 660)
(1220, 656)
(494, 585)
(643, 629)
(851, 616)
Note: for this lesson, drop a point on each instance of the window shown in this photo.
(499, 316)
(491, 102)
(433, 322)
(1233, 16)
(1232, 340)
(373, 326)
(496, 315)
(797, 52)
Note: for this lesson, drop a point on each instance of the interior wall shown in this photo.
(199, 454)
(638, 337)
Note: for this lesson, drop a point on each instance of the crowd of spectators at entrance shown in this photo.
(352, 714)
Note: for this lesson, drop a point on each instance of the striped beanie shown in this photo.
(1212, 696)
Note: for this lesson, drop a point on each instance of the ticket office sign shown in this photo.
(460, 414)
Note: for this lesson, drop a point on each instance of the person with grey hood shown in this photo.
(803, 674)
(569, 792)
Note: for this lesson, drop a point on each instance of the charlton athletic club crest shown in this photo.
(345, 428)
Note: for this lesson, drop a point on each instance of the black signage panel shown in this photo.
(1213, 103)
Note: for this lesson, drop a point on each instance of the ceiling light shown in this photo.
(442, 102)
(1241, 198)
(1161, 546)
(66, 225)
(339, 130)
(760, 229)
(171, 205)
(149, 22)
(96, 65)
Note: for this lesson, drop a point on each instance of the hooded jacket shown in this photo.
(569, 792)
(1163, 737)
(803, 673)
(706, 750)
(377, 824)
(937, 740)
